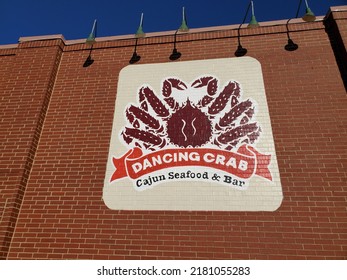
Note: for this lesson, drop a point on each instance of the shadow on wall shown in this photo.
(339, 49)
(89, 61)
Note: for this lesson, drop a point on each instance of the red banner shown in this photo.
(245, 163)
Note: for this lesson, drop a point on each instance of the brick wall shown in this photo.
(56, 122)
(27, 79)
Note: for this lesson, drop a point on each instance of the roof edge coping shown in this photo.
(41, 38)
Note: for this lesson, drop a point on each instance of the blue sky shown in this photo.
(74, 18)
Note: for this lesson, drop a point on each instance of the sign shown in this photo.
(192, 135)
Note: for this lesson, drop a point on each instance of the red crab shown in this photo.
(193, 116)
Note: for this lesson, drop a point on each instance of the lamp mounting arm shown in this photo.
(175, 38)
(298, 10)
(243, 21)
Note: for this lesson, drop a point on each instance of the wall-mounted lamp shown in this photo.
(253, 23)
(139, 34)
(308, 17)
(241, 51)
(135, 58)
(90, 41)
(183, 28)
(91, 38)
(291, 46)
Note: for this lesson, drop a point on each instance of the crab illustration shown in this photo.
(191, 116)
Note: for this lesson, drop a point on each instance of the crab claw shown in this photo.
(210, 82)
(170, 83)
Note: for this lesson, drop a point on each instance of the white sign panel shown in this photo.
(192, 135)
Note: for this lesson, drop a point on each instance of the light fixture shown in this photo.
(139, 33)
(308, 17)
(91, 38)
(291, 46)
(135, 58)
(241, 51)
(253, 23)
(90, 41)
(183, 28)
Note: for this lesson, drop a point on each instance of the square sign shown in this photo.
(192, 135)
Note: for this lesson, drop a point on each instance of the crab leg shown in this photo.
(231, 89)
(141, 135)
(159, 108)
(234, 113)
(249, 114)
(254, 136)
(134, 112)
(237, 133)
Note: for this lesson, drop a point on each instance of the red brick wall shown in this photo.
(27, 78)
(62, 215)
